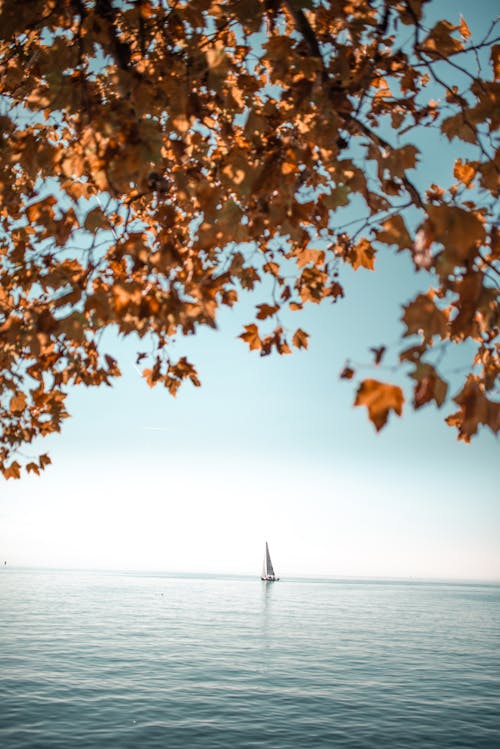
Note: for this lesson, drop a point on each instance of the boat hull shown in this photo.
(270, 579)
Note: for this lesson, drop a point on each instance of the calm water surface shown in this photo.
(142, 660)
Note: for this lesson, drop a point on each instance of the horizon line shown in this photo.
(291, 576)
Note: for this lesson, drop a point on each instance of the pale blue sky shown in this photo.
(267, 449)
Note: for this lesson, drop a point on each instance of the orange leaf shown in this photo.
(458, 230)
(457, 126)
(266, 310)
(464, 29)
(13, 471)
(475, 409)
(251, 336)
(18, 403)
(429, 386)
(495, 60)
(422, 316)
(96, 219)
(44, 460)
(300, 339)
(363, 255)
(464, 172)
(347, 373)
(380, 398)
(394, 231)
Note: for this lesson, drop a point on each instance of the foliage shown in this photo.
(159, 158)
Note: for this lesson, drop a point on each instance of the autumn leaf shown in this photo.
(457, 126)
(458, 230)
(475, 409)
(465, 172)
(378, 354)
(429, 386)
(440, 40)
(422, 316)
(44, 460)
(464, 29)
(394, 231)
(380, 399)
(266, 310)
(495, 60)
(362, 255)
(347, 373)
(251, 336)
(18, 403)
(96, 219)
(13, 471)
(300, 339)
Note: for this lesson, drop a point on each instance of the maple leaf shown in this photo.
(424, 317)
(440, 41)
(18, 403)
(13, 471)
(378, 354)
(347, 373)
(475, 409)
(429, 386)
(457, 126)
(96, 219)
(362, 255)
(465, 172)
(458, 230)
(380, 399)
(300, 339)
(495, 60)
(394, 231)
(266, 310)
(251, 336)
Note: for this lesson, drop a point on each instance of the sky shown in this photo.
(267, 449)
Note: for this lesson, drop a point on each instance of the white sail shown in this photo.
(268, 573)
(269, 564)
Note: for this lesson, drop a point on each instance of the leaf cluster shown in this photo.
(158, 159)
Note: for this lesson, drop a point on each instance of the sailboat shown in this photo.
(268, 574)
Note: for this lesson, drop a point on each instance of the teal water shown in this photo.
(118, 660)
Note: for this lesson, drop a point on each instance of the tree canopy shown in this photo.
(159, 158)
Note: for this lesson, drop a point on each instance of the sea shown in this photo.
(146, 660)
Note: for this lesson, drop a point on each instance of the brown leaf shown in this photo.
(458, 230)
(429, 386)
(440, 42)
(300, 339)
(266, 310)
(424, 317)
(44, 460)
(464, 29)
(362, 255)
(394, 231)
(380, 398)
(378, 354)
(96, 219)
(251, 336)
(347, 373)
(457, 126)
(465, 172)
(18, 402)
(13, 471)
(475, 409)
(495, 60)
